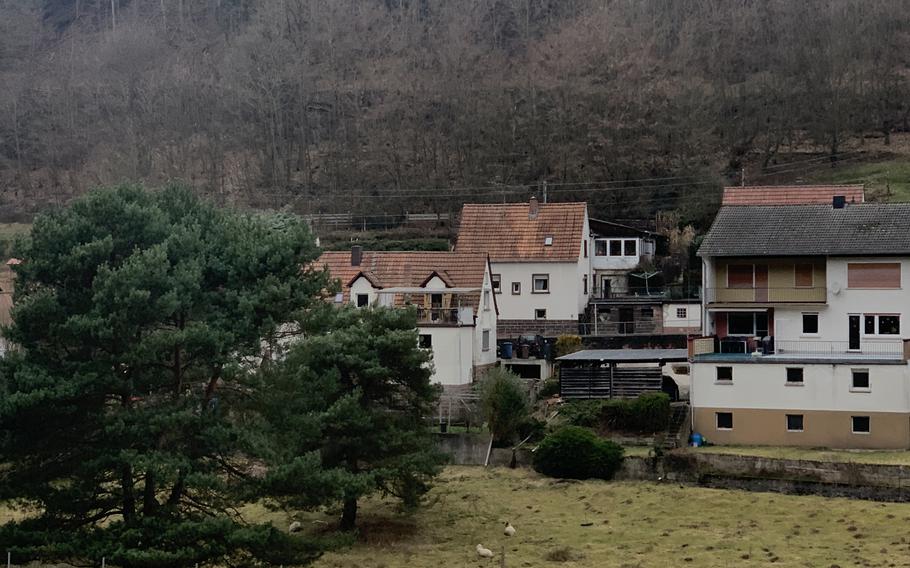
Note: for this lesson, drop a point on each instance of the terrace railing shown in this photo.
(879, 349)
(816, 294)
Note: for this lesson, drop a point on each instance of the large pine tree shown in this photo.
(116, 412)
(349, 409)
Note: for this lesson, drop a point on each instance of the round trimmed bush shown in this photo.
(573, 452)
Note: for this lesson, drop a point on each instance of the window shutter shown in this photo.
(874, 275)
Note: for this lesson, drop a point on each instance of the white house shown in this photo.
(453, 294)
(617, 250)
(805, 321)
(540, 258)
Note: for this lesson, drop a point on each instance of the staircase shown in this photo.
(679, 428)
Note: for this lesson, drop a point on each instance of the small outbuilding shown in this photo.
(617, 373)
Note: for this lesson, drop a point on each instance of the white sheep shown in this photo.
(484, 552)
(295, 527)
(509, 530)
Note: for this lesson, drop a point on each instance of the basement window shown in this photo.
(724, 420)
(425, 341)
(540, 314)
(861, 424)
(794, 423)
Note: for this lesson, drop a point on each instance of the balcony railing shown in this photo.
(657, 292)
(889, 350)
(880, 349)
(817, 294)
(438, 315)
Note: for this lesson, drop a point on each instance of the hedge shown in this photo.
(573, 452)
(648, 413)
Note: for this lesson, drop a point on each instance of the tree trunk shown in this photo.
(129, 499)
(149, 501)
(349, 515)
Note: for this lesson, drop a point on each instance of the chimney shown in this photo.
(839, 201)
(356, 255)
(533, 208)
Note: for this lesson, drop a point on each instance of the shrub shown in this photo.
(505, 404)
(532, 427)
(549, 388)
(586, 413)
(573, 452)
(648, 413)
(652, 412)
(566, 344)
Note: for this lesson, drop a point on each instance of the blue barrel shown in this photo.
(506, 349)
(697, 439)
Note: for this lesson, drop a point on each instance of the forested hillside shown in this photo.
(392, 105)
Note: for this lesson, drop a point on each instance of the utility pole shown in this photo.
(544, 191)
(742, 177)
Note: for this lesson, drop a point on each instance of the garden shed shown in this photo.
(615, 373)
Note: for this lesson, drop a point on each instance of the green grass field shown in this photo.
(618, 524)
(885, 181)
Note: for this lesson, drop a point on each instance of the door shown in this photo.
(604, 287)
(626, 320)
(854, 333)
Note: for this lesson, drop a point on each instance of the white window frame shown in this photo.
(799, 383)
(853, 425)
(357, 300)
(485, 340)
(787, 422)
(496, 283)
(878, 326)
(718, 380)
(541, 277)
(537, 310)
(682, 313)
(802, 324)
(854, 388)
(486, 301)
(516, 288)
(717, 421)
(420, 340)
(624, 241)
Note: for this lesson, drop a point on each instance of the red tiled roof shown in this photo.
(408, 269)
(506, 232)
(791, 194)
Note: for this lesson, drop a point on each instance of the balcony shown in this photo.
(440, 316)
(656, 293)
(766, 295)
(733, 349)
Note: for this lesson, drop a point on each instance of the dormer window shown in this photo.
(548, 241)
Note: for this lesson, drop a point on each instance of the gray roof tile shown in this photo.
(792, 230)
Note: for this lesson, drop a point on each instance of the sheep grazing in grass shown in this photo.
(295, 527)
(509, 530)
(484, 552)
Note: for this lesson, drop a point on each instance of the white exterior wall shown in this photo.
(617, 262)
(692, 319)
(486, 319)
(825, 387)
(453, 353)
(565, 300)
(362, 286)
(842, 301)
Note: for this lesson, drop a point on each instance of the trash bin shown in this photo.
(697, 439)
(506, 349)
(524, 351)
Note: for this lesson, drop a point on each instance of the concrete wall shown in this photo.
(511, 329)
(464, 449)
(821, 428)
(824, 387)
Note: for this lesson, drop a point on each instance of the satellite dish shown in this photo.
(835, 289)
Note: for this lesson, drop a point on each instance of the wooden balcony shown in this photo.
(767, 295)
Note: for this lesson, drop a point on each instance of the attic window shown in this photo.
(548, 241)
